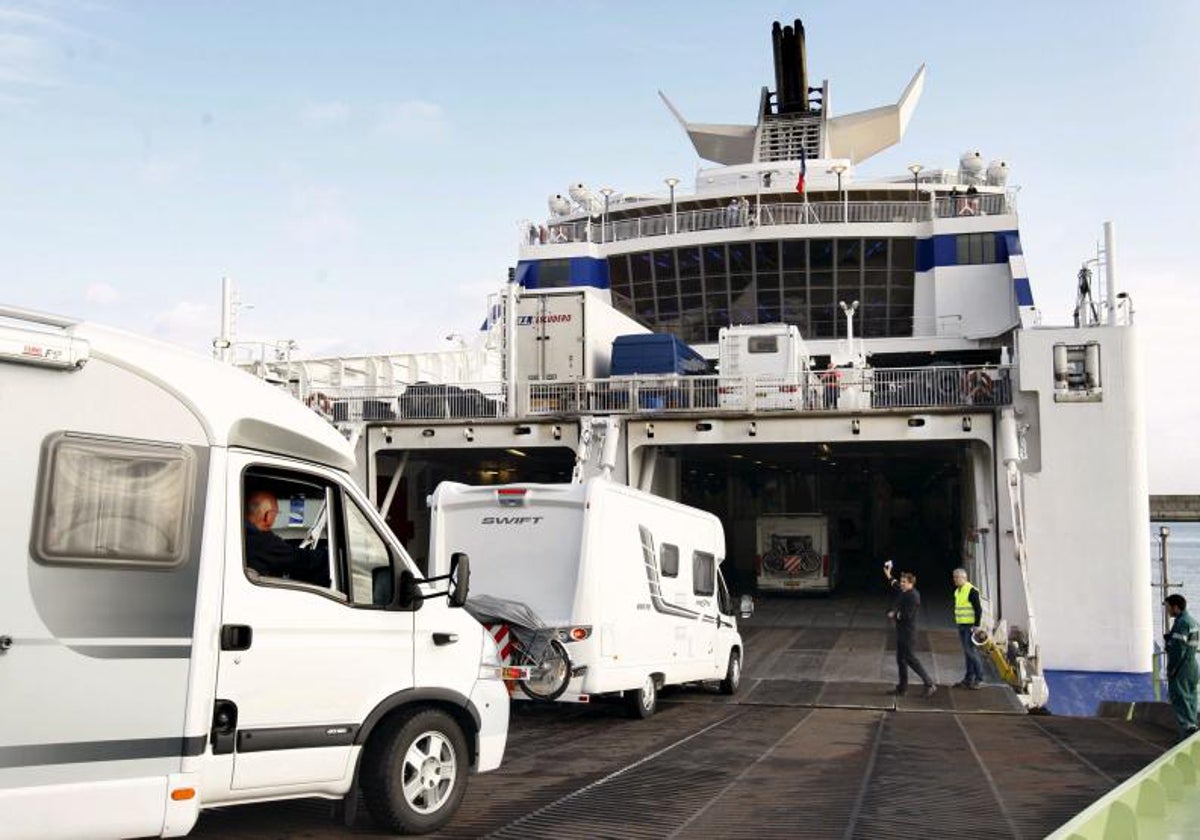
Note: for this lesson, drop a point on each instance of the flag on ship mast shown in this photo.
(803, 170)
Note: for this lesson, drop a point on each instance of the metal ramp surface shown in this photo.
(707, 770)
(811, 747)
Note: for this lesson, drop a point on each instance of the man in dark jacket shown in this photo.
(1181, 642)
(269, 554)
(904, 613)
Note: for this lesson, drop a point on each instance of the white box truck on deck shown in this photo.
(165, 643)
(566, 334)
(795, 553)
(631, 582)
(762, 367)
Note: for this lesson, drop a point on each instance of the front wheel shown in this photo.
(414, 772)
(733, 674)
(642, 702)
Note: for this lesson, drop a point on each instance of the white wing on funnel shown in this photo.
(726, 144)
(860, 135)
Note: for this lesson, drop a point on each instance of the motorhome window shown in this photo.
(763, 344)
(724, 599)
(367, 559)
(668, 560)
(114, 502)
(704, 573)
(289, 534)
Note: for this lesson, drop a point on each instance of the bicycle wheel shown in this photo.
(549, 674)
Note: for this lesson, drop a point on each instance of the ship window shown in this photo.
(114, 502)
(766, 257)
(554, 274)
(821, 254)
(689, 262)
(704, 573)
(641, 267)
(976, 248)
(714, 260)
(668, 560)
(903, 254)
(763, 344)
(875, 253)
(795, 255)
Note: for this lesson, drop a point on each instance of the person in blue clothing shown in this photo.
(1181, 642)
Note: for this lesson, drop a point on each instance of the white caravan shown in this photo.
(631, 581)
(158, 654)
(771, 360)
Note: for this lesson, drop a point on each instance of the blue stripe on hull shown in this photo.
(1081, 692)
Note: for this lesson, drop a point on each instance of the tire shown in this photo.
(733, 674)
(554, 674)
(414, 772)
(642, 703)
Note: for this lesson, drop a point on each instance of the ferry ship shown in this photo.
(934, 419)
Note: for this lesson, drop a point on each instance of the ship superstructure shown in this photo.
(935, 421)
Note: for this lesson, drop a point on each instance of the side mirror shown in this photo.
(746, 608)
(460, 578)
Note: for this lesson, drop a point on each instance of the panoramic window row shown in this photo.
(693, 292)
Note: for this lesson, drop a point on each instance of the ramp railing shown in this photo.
(1162, 800)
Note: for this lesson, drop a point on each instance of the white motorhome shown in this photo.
(771, 361)
(164, 644)
(795, 553)
(630, 581)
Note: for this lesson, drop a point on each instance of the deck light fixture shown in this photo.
(838, 169)
(607, 193)
(671, 184)
(915, 169)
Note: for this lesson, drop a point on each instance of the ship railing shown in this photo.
(843, 389)
(601, 230)
(416, 401)
(865, 389)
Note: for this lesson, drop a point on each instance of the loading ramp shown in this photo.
(811, 747)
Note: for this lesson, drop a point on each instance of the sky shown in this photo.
(359, 169)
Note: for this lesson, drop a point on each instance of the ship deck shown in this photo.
(811, 746)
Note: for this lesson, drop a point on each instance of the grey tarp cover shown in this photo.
(524, 623)
(488, 609)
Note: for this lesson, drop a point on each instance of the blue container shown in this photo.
(654, 353)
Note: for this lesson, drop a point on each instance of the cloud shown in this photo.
(319, 216)
(413, 119)
(189, 323)
(101, 293)
(325, 114)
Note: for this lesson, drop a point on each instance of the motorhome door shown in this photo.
(308, 643)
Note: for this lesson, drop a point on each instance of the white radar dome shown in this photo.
(970, 166)
(997, 173)
(559, 205)
(582, 196)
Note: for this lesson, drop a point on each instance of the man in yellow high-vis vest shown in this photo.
(968, 614)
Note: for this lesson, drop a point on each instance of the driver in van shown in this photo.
(270, 554)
